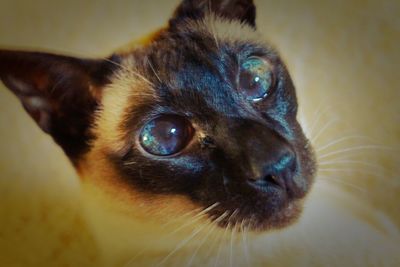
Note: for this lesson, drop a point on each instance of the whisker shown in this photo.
(192, 221)
(181, 217)
(323, 129)
(220, 246)
(211, 207)
(233, 230)
(329, 178)
(182, 244)
(318, 110)
(214, 226)
(129, 163)
(340, 140)
(218, 236)
(220, 218)
(213, 245)
(195, 218)
(342, 157)
(352, 149)
(318, 116)
(154, 71)
(246, 245)
(349, 170)
(130, 71)
(349, 161)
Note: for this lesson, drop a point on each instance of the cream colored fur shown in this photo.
(343, 57)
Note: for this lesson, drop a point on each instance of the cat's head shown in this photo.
(202, 115)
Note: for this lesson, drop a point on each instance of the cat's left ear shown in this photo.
(60, 93)
(242, 10)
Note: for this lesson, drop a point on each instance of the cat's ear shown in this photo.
(60, 93)
(242, 10)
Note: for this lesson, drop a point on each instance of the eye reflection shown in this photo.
(256, 78)
(166, 135)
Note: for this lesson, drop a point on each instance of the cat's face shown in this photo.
(204, 111)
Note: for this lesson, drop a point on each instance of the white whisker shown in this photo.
(181, 244)
(220, 246)
(218, 236)
(212, 228)
(318, 110)
(154, 71)
(348, 162)
(349, 170)
(233, 230)
(318, 116)
(195, 218)
(323, 129)
(181, 217)
(329, 178)
(192, 221)
(246, 245)
(340, 140)
(130, 71)
(353, 149)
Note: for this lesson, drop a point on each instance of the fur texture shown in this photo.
(373, 234)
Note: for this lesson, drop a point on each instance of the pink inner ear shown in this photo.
(39, 110)
(37, 106)
(55, 91)
(19, 86)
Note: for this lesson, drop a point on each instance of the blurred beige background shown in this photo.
(344, 57)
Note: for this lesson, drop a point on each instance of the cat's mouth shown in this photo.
(262, 204)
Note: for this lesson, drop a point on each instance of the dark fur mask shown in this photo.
(208, 112)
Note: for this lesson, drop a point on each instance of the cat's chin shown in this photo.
(282, 218)
(262, 218)
(273, 204)
(260, 221)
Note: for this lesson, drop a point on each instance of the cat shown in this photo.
(191, 132)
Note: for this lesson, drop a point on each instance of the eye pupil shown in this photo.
(255, 78)
(165, 135)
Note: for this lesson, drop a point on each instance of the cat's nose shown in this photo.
(275, 171)
(267, 160)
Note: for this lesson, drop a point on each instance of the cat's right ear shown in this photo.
(242, 10)
(60, 93)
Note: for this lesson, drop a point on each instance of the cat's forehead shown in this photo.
(200, 41)
(197, 56)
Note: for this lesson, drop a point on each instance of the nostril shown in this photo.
(273, 173)
(268, 180)
(274, 179)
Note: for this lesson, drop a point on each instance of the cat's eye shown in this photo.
(256, 78)
(166, 135)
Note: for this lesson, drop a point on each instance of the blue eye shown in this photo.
(166, 135)
(256, 78)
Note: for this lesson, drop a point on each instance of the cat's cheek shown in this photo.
(115, 196)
